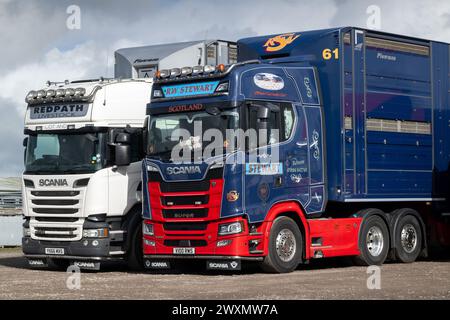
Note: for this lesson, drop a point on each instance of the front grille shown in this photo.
(184, 213)
(185, 243)
(55, 193)
(55, 210)
(55, 232)
(185, 226)
(185, 200)
(57, 202)
(56, 219)
(185, 187)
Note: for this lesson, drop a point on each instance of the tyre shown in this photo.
(135, 251)
(60, 264)
(285, 247)
(373, 242)
(408, 239)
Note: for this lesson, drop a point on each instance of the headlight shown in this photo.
(147, 229)
(230, 228)
(96, 233)
(26, 232)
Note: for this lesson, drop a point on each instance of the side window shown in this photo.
(272, 124)
(288, 121)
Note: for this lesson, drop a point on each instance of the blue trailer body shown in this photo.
(386, 109)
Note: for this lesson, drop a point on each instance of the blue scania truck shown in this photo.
(363, 153)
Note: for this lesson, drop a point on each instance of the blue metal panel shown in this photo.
(441, 119)
(359, 112)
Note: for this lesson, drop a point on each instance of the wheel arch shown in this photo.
(291, 209)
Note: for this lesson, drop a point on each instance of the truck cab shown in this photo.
(83, 152)
(285, 156)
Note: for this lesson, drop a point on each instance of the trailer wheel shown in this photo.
(373, 242)
(408, 239)
(285, 247)
(135, 251)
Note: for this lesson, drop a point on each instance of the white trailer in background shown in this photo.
(82, 179)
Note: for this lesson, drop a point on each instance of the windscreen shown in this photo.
(192, 132)
(65, 153)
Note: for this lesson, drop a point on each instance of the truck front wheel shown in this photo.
(285, 247)
(135, 252)
(373, 242)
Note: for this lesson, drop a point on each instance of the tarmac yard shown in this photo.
(325, 279)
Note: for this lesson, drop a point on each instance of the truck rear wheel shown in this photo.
(408, 239)
(373, 242)
(285, 247)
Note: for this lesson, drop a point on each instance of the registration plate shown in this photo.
(57, 251)
(183, 250)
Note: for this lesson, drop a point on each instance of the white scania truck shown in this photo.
(83, 152)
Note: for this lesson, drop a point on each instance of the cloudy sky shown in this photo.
(38, 46)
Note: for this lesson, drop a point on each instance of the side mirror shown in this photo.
(123, 138)
(122, 155)
(25, 142)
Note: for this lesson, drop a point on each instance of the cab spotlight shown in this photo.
(197, 70)
(70, 92)
(80, 92)
(41, 94)
(208, 68)
(165, 73)
(31, 96)
(185, 71)
(50, 93)
(60, 93)
(175, 72)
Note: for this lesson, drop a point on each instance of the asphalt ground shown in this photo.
(323, 279)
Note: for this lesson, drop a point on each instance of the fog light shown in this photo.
(223, 243)
(95, 243)
(149, 243)
(85, 243)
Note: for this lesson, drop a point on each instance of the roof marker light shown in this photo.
(221, 67)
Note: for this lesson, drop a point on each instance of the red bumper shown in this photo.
(206, 242)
